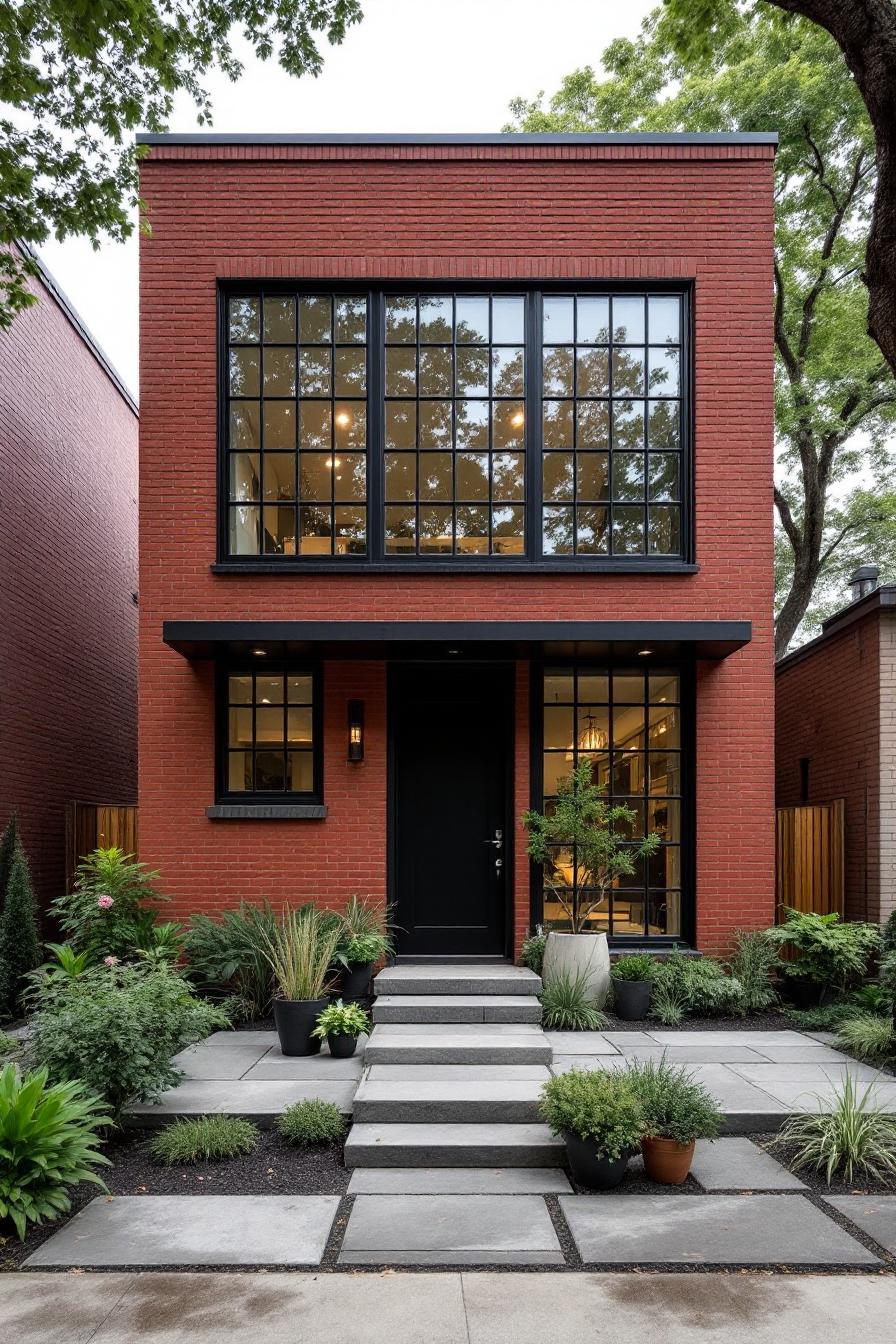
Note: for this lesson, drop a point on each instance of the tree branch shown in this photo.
(788, 522)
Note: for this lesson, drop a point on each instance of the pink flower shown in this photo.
(105, 902)
(110, 961)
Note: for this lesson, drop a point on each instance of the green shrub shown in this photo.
(888, 981)
(856, 1137)
(48, 1142)
(366, 933)
(207, 1139)
(111, 910)
(668, 1002)
(342, 1019)
(311, 1122)
(9, 1045)
(565, 1005)
(19, 944)
(9, 843)
(639, 966)
(753, 964)
(118, 1028)
(675, 1105)
(532, 950)
(871, 998)
(888, 936)
(696, 986)
(868, 1036)
(161, 944)
(226, 956)
(830, 954)
(361, 948)
(600, 1105)
(824, 1017)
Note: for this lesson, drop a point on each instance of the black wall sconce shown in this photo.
(356, 730)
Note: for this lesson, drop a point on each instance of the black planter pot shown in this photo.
(341, 1046)
(631, 999)
(295, 1019)
(589, 1167)
(356, 980)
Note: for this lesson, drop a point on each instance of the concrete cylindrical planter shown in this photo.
(666, 1160)
(295, 1019)
(631, 999)
(576, 954)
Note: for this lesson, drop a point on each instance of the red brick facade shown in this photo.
(681, 212)
(68, 560)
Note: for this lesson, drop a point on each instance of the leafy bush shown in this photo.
(532, 950)
(675, 1105)
(363, 947)
(824, 1017)
(161, 944)
(207, 1139)
(366, 933)
(301, 950)
(342, 1019)
(639, 966)
(19, 945)
(697, 986)
(111, 910)
(48, 1142)
(600, 1105)
(565, 1005)
(870, 998)
(668, 1002)
(118, 1028)
(311, 1122)
(753, 964)
(868, 1036)
(888, 981)
(9, 1045)
(857, 1137)
(830, 954)
(227, 954)
(888, 937)
(65, 964)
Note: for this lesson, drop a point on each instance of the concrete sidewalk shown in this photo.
(453, 1308)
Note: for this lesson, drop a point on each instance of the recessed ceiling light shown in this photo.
(260, 653)
(644, 653)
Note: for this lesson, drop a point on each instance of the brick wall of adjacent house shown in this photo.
(68, 572)
(828, 711)
(887, 764)
(467, 213)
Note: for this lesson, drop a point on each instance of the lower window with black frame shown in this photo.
(270, 734)
(628, 722)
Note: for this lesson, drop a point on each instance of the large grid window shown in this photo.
(272, 747)
(611, 424)
(297, 425)
(455, 424)
(627, 722)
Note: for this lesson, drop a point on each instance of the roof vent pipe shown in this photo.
(864, 581)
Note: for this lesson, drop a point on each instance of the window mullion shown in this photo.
(376, 427)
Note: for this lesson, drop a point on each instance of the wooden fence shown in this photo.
(809, 859)
(89, 825)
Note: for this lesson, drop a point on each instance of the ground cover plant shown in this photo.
(566, 1006)
(598, 1105)
(49, 1142)
(868, 1036)
(855, 1136)
(310, 1122)
(208, 1138)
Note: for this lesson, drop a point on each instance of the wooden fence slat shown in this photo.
(92, 825)
(809, 858)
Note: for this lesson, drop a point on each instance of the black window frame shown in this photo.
(686, 670)
(376, 560)
(237, 667)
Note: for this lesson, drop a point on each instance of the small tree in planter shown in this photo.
(593, 830)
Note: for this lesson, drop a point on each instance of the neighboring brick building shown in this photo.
(835, 737)
(68, 578)
(401, 463)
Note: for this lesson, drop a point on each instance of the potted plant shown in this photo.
(365, 941)
(632, 978)
(300, 949)
(677, 1112)
(596, 834)
(341, 1024)
(599, 1117)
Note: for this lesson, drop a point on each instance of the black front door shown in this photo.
(450, 733)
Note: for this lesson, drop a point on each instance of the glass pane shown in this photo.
(435, 424)
(269, 690)
(240, 732)
(279, 371)
(508, 476)
(557, 531)
(436, 372)
(435, 530)
(401, 372)
(509, 425)
(558, 727)
(279, 534)
(269, 771)
(350, 476)
(664, 377)
(558, 687)
(314, 371)
(472, 530)
(558, 319)
(508, 530)
(401, 319)
(557, 379)
(628, 726)
(239, 771)
(316, 478)
(592, 728)
(298, 726)
(662, 476)
(244, 423)
(592, 424)
(317, 526)
(350, 423)
(593, 475)
(594, 688)
(628, 319)
(315, 420)
(301, 772)
(557, 424)
(557, 766)
(664, 319)
(663, 537)
(279, 476)
(401, 425)
(592, 319)
(592, 530)
(435, 476)
(664, 816)
(471, 428)
(471, 378)
(628, 689)
(628, 372)
(351, 319)
(349, 530)
(664, 424)
(628, 424)
(435, 319)
(239, 690)
(593, 373)
(663, 688)
(244, 314)
(244, 476)
(280, 318)
(558, 480)
(665, 913)
(508, 319)
(664, 728)
(472, 318)
(400, 530)
(244, 372)
(279, 424)
(507, 372)
(351, 372)
(245, 530)
(315, 319)
(401, 476)
(472, 476)
(628, 476)
(300, 690)
(663, 769)
(627, 772)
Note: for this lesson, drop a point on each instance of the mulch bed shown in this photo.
(272, 1168)
(817, 1181)
(752, 1022)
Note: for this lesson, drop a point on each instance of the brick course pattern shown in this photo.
(450, 212)
(68, 560)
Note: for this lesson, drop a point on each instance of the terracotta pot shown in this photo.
(666, 1160)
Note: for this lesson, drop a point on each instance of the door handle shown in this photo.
(498, 840)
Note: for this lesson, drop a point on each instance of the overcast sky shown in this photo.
(411, 65)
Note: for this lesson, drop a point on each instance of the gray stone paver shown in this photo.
(450, 1230)
(739, 1164)
(874, 1214)
(193, 1230)
(799, 1086)
(459, 1181)
(581, 1043)
(225, 1055)
(710, 1230)
(275, 1066)
(261, 1101)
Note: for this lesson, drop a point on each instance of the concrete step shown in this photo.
(439, 979)
(453, 1145)
(434, 1101)
(479, 1043)
(443, 1008)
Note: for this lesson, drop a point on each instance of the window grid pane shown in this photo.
(270, 733)
(628, 723)
(297, 425)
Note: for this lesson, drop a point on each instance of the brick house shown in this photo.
(68, 578)
(846, 675)
(456, 468)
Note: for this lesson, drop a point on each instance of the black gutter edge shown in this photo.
(543, 138)
(884, 596)
(50, 283)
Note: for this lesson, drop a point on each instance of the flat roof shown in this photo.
(884, 596)
(507, 138)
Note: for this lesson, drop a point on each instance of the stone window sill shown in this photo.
(267, 812)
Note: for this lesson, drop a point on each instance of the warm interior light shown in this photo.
(343, 418)
(517, 419)
(334, 462)
(643, 653)
(260, 653)
(593, 738)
